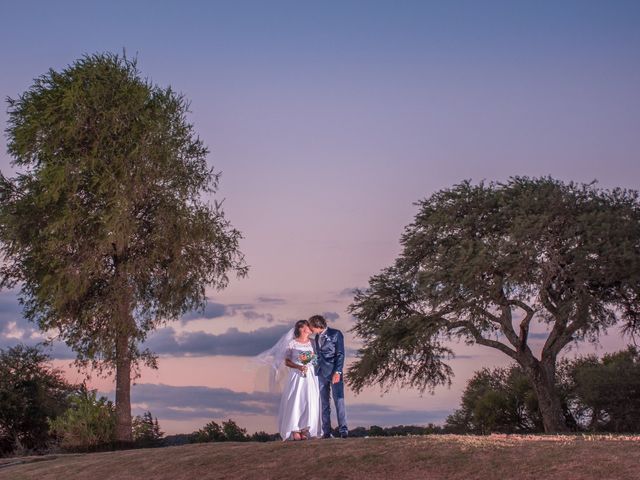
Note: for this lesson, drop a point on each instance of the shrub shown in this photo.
(146, 431)
(31, 392)
(88, 425)
(229, 431)
(211, 432)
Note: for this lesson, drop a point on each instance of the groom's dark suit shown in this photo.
(330, 351)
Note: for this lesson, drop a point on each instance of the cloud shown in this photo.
(253, 315)
(247, 310)
(349, 292)
(272, 300)
(60, 351)
(367, 414)
(193, 402)
(331, 316)
(167, 341)
(9, 304)
(235, 308)
(11, 311)
(197, 402)
(14, 327)
(211, 310)
(56, 350)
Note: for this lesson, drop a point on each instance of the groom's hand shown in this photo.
(336, 378)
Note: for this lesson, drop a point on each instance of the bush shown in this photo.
(233, 433)
(604, 393)
(498, 400)
(263, 436)
(146, 431)
(376, 431)
(211, 432)
(599, 395)
(31, 393)
(88, 425)
(229, 431)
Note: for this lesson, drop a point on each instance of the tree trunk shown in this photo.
(123, 434)
(543, 378)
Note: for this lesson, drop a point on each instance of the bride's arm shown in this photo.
(290, 364)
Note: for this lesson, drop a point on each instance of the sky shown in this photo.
(328, 121)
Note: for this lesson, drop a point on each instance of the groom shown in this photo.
(329, 345)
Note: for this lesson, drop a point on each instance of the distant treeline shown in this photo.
(213, 432)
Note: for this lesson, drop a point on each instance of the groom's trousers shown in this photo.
(327, 390)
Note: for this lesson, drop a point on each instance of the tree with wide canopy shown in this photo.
(483, 263)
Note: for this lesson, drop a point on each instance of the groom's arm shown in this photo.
(338, 361)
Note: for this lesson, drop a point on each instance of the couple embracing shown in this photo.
(313, 375)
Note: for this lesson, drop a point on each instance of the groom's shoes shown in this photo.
(342, 435)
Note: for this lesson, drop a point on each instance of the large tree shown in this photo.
(107, 226)
(482, 262)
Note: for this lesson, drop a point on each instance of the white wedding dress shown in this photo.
(300, 402)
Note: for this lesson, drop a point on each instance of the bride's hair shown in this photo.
(298, 326)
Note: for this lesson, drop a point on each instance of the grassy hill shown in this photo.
(399, 458)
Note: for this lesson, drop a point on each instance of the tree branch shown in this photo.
(506, 317)
(479, 339)
(559, 328)
(546, 300)
(524, 324)
(564, 336)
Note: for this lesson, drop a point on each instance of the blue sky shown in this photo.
(328, 121)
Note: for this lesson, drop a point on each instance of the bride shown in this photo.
(299, 412)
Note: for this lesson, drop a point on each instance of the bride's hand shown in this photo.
(303, 368)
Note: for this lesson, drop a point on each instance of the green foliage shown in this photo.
(88, 424)
(481, 262)
(233, 433)
(107, 228)
(146, 431)
(211, 432)
(31, 392)
(263, 436)
(605, 393)
(179, 439)
(376, 431)
(497, 400)
(229, 431)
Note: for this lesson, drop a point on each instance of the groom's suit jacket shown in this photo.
(330, 352)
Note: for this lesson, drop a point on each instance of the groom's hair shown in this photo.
(318, 321)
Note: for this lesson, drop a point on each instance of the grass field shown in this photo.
(399, 458)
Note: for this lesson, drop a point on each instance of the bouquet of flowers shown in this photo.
(307, 358)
